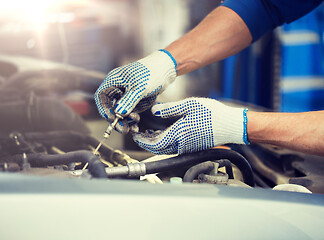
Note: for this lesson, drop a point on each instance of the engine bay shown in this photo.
(42, 133)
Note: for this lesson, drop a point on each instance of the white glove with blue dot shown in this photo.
(133, 88)
(204, 123)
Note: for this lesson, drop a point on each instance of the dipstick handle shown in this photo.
(112, 126)
(108, 132)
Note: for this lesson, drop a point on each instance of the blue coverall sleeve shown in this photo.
(260, 16)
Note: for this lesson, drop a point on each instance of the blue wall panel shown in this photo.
(302, 73)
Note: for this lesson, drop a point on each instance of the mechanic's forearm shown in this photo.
(298, 131)
(220, 35)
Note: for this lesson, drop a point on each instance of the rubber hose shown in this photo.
(263, 169)
(206, 167)
(96, 167)
(66, 138)
(203, 156)
(194, 171)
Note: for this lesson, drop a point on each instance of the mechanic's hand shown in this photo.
(140, 83)
(204, 123)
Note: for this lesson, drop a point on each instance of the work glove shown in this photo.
(133, 88)
(204, 123)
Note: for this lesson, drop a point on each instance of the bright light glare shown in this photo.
(30, 7)
(33, 11)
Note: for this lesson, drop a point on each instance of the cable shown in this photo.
(96, 167)
(194, 171)
(211, 154)
(206, 167)
(260, 167)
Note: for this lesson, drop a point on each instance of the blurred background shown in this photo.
(54, 41)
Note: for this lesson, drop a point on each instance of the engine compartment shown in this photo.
(41, 133)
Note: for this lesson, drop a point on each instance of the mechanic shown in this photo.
(206, 123)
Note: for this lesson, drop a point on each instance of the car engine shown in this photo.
(41, 133)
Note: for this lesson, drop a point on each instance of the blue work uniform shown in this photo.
(261, 16)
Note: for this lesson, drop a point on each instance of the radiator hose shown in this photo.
(206, 167)
(185, 160)
(96, 167)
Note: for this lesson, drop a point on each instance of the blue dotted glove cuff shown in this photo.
(172, 58)
(245, 120)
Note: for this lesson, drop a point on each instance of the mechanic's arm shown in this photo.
(205, 123)
(232, 27)
(221, 34)
(303, 132)
(224, 32)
